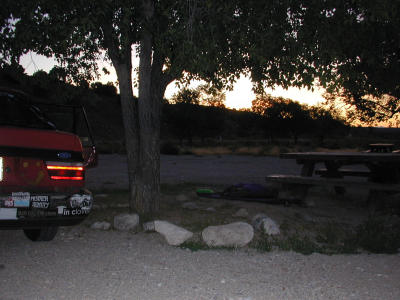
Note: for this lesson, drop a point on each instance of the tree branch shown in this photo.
(110, 44)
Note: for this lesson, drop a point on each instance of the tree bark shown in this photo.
(131, 127)
(142, 118)
(150, 95)
(122, 62)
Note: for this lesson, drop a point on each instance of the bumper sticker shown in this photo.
(37, 213)
(80, 201)
(20, 199)
(8, 203)
(40, 201)
(60, 209)
(76, 211)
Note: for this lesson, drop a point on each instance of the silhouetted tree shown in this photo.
(107, 89)
(282, 116)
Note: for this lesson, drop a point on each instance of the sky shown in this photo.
(240, 97)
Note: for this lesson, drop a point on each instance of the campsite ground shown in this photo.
(82, 263)
(329, 226)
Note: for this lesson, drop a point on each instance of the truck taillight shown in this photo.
(65, 171)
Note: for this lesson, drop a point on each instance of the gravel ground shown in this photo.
(86, 264)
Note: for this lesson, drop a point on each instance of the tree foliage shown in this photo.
(211, 96)
(204, 94)
(367, 110)
(361, 40)
(196, 112)
(284, 116)
(186, 96)
(107, 89)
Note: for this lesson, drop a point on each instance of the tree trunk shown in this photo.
(131, 128)
(148, 184)
(142, 119)
(142, 132)
(151, 92)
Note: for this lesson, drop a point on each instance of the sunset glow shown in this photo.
(240, 97)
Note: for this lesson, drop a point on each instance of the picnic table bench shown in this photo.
(342, 172)
(380, 173)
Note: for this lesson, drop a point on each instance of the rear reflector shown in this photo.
(65, 171)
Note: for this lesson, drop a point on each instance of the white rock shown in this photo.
(174, 235)
(125, 222)
(236, 234)
(241, 213)
(101, 225)
(270, 227)
(264, 223)
(257, 221)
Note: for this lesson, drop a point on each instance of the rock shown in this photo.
(264, 223)
(236, 234)
(182, 198)
(210, 209)
(190, 205)
(149, 226)
(174, 235)
(101, 225)
(125, 222)
(270, 227)
(241, 213)
(257, 221)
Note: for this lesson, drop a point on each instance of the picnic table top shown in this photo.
(381, 145)
(351, 157)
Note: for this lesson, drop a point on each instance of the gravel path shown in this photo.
(86, 264)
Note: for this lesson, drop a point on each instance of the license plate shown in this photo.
(8, 213)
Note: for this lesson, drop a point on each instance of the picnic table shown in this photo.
(380, 170)
(381, 147)
(382, 167)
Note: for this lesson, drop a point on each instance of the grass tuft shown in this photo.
(377, 237)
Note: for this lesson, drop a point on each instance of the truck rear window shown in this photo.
(19, 113)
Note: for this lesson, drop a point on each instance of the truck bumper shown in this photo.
(36, 210)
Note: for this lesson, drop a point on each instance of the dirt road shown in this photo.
(228, 169)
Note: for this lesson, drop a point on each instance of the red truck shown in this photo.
(42, 168)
